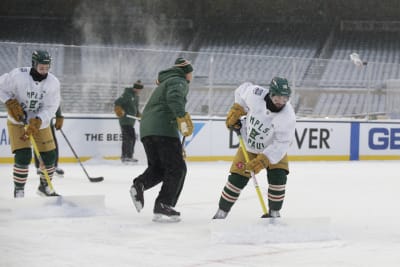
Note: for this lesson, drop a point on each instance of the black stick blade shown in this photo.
(96, 179)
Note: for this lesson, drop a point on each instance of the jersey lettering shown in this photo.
(255, 145)
(255, 138)
(34, 100)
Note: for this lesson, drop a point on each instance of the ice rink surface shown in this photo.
(335, 214)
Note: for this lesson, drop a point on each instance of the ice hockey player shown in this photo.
(32, 96)
(162, 117)
(266, 121)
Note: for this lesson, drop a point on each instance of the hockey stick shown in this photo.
(253, 176)
(92, 179)
(183, 147)
(41, 162)
(132, 117)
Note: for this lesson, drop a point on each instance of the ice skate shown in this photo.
(45, 191)
(272, 214)
(165, 213)
(221, 214)
(136, 192)
(19, 192)
(59, 172)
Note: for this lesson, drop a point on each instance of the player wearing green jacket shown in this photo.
(128, 104)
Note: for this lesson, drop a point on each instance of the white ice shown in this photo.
(337, 214)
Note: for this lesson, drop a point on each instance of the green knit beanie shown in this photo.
(180, 62)
(138, 85)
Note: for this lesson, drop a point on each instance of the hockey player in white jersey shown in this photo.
(267, 124)
(32, 96)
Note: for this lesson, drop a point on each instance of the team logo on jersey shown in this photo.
(253, 134)
(240, 165)
(258, 91)
(257, 133)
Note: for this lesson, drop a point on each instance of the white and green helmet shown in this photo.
(280, 86)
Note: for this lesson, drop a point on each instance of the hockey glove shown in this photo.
(59, 123)
(33, 126)
(185, 124)
(119, 111)
(258, 163)
(234, 115)
(15, 109)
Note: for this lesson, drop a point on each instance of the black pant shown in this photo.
(165, 164)
(56, 143)
(128, 141)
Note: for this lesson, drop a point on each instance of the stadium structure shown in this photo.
(98, 49)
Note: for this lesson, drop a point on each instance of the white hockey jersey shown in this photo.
(264, 131)
(37, 99)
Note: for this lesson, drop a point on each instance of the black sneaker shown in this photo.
(136, 192)
(128, 161)
(165, 213)
(45, 191)
(59, 172)
(19, 192)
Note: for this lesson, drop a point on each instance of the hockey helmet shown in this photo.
(40, 57)
(280, 86)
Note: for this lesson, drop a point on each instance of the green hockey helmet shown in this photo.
(40, 57)
(280, 86)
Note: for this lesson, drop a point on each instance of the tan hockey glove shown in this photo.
(234, 115)
(33, 126)
(258, 163)
(59, 123)
(119, 111)
(15, 109)
(185, 124)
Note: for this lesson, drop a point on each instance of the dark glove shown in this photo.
(33, 126)
(234, 115)
(258, 163)
(59, 123)
(185, 124)
(119, 111)
(15, 109)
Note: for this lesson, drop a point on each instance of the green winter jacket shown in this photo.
(165, 104)
(129, 101)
